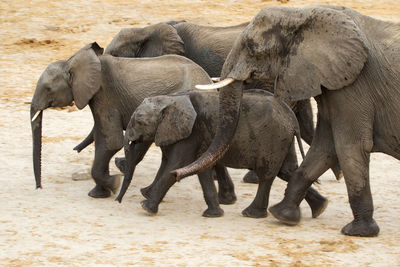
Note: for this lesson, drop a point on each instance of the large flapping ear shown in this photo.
(177, 121)
(161, 39)
(85, 73)
(325, 47)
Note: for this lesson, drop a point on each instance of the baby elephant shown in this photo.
(184, 124)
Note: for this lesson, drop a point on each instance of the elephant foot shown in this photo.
(318, 208)
(254, 213)
(121, 164)
(213, 213)
(146, 192)
(114, 183)
(226, 197)
(99, 192)
(361, 228)
(317, 202)
(149, 206)
(251, 178)
(285, 214)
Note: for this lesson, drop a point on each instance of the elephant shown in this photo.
(112, 87)
(350, 64)
(183, 125)
(207, 46)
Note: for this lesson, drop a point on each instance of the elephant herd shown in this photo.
(147, 83)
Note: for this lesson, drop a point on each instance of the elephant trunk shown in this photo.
(36, 125)
(230, 98)
(130, 168)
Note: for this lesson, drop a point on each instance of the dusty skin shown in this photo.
(61, 225)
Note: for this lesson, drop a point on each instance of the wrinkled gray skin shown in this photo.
(205, 45)
(184, 124)
(113, 87)
(350, 63)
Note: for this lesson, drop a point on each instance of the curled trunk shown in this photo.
(230, 98)
(36, 125)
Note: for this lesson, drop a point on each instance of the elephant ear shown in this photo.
(177, 121)
(161, 39)
(85, 73)
(326, 48)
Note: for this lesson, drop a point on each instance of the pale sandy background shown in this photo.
(61, 225)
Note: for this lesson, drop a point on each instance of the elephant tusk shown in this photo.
(216, 85)
(36, 115)
(216, 79)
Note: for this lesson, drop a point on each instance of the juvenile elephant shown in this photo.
(350, 64)
(184, 124)
(113, 87)
(207, 46)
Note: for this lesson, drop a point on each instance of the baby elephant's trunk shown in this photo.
(129, 168)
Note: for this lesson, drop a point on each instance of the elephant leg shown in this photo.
(175, 156)
(146, 191)
(320, 158)
(159, 188)
(304, 115)
(121, 163)
(250, 177)
(210, 195)
(133, 157)
(226, 189)
(100, 171)
(354, 157)
(258, 208)
(315, 200)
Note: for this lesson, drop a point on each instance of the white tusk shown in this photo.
(216, 85)
(36, 115)
(216, 79)
(130, 142)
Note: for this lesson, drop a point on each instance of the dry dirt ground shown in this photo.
(61, 225)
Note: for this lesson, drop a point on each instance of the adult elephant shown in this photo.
(350, 63)
(207, 46)
(113, 87)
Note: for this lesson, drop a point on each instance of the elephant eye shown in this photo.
(48, 89)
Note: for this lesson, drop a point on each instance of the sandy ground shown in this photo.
(61, 225)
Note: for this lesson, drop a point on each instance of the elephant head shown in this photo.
(152, 41)
(298, 50)
(76, 79)
(162, 119)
